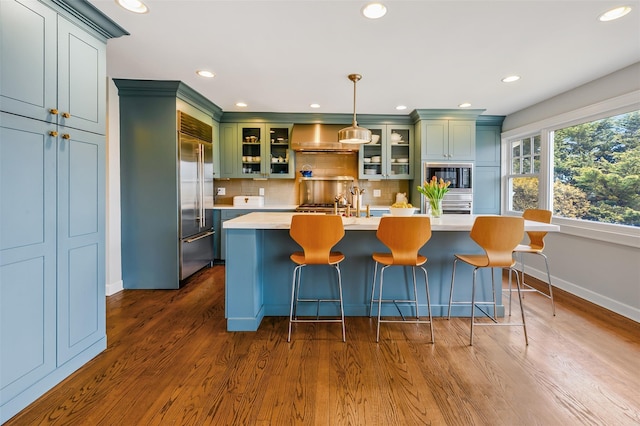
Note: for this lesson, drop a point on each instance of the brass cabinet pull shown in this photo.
(53, 133)
(66, 115)
(66, 136)
(53, 111)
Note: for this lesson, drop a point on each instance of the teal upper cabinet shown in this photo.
(256, 150)
(60, 77)
(448, 140)
(446, 135)
(28, 73)
(487, 146)
(389, 155)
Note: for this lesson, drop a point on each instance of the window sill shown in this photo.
(615, 234)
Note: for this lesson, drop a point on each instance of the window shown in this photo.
(524, 175)
(591, 170)
(596, 170)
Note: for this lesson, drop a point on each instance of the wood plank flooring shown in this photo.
(170, 361)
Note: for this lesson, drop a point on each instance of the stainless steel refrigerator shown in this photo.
(196, 194)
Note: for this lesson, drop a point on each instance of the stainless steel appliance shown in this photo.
(320, 194)
(196, 193)
(459, 199)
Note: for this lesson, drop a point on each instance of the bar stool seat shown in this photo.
(316, 234)
(404, 236)
(535, 246)
(497, 236)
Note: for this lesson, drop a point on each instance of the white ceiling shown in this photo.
(281, 56)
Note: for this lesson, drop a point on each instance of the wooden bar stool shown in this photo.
(535, 246)
(404, 236)
(498, 236)
(316, 234)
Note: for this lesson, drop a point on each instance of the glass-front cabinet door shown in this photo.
(280, 161)
(252, 153)
(399, 152)
(389, 154)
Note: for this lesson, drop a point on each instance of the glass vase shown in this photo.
(435, 207)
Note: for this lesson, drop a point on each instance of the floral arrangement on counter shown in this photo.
(434, 190)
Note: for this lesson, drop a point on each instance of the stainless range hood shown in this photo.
(319, 138)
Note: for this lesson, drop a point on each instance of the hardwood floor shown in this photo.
(170, 361)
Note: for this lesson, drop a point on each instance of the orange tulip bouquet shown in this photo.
(434, 190)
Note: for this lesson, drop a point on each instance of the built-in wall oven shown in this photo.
(459, 199)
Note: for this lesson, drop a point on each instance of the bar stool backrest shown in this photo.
(404, 236)
(316, 234)
(536, 238)
(498, 236)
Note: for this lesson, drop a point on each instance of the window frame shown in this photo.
(614, 233)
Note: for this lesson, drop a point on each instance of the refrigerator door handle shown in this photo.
(199, 237)
(203, 219)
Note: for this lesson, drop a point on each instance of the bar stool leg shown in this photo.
(524, 325)
(426, 284)
(344, 335)
(546, 264)
(473, 305)
(380, 302)
(373, 288)
(453, 277)
(296, 271)
(415, 292)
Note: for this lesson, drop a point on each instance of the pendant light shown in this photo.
(354, 134)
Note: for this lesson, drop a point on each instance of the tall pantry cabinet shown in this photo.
(52, 193)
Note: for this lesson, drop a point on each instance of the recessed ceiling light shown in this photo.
(205, 73)
(464, 105)
(511, 79)
(241, 104)
(315, 105)
(374, 10)
(135, 6)
(616, 13)
(401, 107)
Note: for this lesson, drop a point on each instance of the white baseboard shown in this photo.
(114, 288)
(593, 297)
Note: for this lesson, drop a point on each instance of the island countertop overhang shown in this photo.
(447, 222)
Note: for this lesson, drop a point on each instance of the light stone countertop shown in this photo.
(448, 222)
(274, 207)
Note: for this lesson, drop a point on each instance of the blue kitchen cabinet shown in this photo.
(60, 77)
(27, 255)
(448, 140)
(486, 179)
(151, 164)
(52, 181)
(230, 165)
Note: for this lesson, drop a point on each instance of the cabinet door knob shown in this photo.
(66, 136)
(66, 115)
(53, 111)
(53, 133)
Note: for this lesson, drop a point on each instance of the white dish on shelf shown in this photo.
(366, 160)
(369, 171)
(376, 159)
(403, 160)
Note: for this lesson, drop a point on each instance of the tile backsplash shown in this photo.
(286, 191)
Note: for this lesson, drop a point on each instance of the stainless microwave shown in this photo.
(459, 199)
(459, 174)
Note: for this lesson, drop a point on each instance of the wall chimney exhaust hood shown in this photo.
(319, 138)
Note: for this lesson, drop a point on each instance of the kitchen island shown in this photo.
(258, 270)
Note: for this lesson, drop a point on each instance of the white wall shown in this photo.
(605, 271)
(114, 265)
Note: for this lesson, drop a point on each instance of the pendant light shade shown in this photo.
(354, 134)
